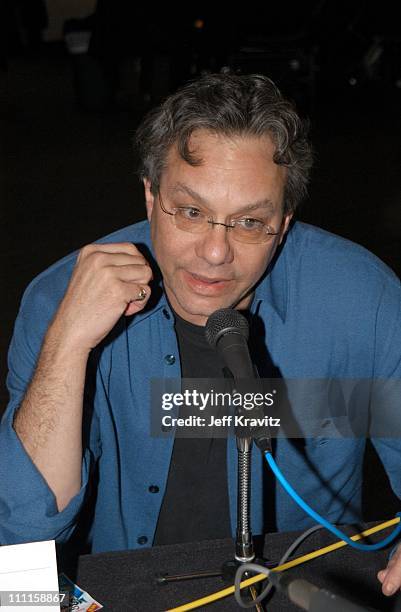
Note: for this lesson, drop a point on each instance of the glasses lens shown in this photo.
(250, 236)
(190, 220)
(252, 233)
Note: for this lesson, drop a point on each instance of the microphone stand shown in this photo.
(244, 552)
(244, 549)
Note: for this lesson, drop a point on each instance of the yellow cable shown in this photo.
(280, 568)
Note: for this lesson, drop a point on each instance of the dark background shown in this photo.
(67, 118)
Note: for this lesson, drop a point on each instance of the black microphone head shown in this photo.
(225, 321)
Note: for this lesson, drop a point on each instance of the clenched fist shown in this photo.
(108, 281)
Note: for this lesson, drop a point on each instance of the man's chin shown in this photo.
(198, 313)
(197, 308)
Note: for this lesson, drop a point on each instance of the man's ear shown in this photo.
(285, 225)
(149, 198)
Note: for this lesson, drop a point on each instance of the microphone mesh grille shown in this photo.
(224, 321)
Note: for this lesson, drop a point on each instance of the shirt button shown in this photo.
(153, 489)
(166, 313)
(169, 359)
(142, 540)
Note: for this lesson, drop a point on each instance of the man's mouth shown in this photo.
(209, 284)
(208, 280)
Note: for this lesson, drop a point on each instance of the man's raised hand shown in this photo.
(108, 281)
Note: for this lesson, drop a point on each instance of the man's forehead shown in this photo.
(226, 157)
(242, 167)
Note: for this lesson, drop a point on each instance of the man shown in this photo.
(225, 161)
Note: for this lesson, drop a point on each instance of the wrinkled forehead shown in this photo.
(235, 168)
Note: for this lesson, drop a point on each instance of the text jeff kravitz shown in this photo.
(224, 421)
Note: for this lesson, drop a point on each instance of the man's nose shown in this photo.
(215, 245)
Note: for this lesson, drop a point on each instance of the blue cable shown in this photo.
(286, 485)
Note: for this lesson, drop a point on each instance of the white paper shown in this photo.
(31, 568)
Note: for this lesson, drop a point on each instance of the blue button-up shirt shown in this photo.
(329, 308)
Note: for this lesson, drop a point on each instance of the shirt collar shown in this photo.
(273, 286)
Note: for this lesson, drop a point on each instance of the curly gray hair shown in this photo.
(230, 105)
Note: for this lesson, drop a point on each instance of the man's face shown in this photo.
(208, 271)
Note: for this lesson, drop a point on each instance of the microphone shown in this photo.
(310, 597)
(227, 331)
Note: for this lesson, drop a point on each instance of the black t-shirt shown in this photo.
(195, 505)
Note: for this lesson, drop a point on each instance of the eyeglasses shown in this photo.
(245, 229)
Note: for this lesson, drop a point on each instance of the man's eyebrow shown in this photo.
(266, 203)
(182, 188)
